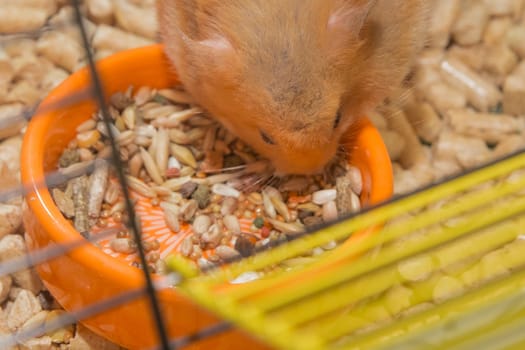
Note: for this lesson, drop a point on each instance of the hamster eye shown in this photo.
(267, 138)
(337, 119)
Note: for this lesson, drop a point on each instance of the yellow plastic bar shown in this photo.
(391, 232)
(343, 229)
(330, 330)
(389, 254)
(337, 298)
(396, 336)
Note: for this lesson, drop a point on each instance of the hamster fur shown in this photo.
(289, 77)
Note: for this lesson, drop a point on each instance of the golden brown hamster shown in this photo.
(289, 77)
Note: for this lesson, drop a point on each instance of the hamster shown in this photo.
(290, 77)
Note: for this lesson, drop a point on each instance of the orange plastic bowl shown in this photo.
(87, 275)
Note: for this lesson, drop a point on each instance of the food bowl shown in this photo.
(87, 275)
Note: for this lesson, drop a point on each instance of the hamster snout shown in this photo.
(290, 77)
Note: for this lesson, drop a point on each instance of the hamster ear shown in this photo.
(348, 19)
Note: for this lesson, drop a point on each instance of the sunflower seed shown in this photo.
(324, 196)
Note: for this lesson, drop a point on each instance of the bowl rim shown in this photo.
(44, 210)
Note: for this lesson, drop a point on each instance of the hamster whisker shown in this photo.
(223, 170)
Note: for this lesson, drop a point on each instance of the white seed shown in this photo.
(216, 179)
(324, 196)
(112, 193)
(126, 137)
(269, 209)
(224, 190)
(227, 253)
(183, 155)
(212, 237)
(151, 167)
(186, 248)
(101, 127)
(176, 96)
(147, 131)
(176, 183)
(356, 181)
(142, 95)
(161, 191)
(273, 192)
(201, 224)
(171, 216)
(287, 227)
(173, 163)
(188, 210)
(140, 187)
(204, 263)
(161, 157)
(129, 115)
(281, 208)
(135, 164)
(89, 124)
(117, 208)
(232, 223)
(246, 277)
(158, 111)
(330, 245)
(329, 211)
(175, 118)
(229, 205)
